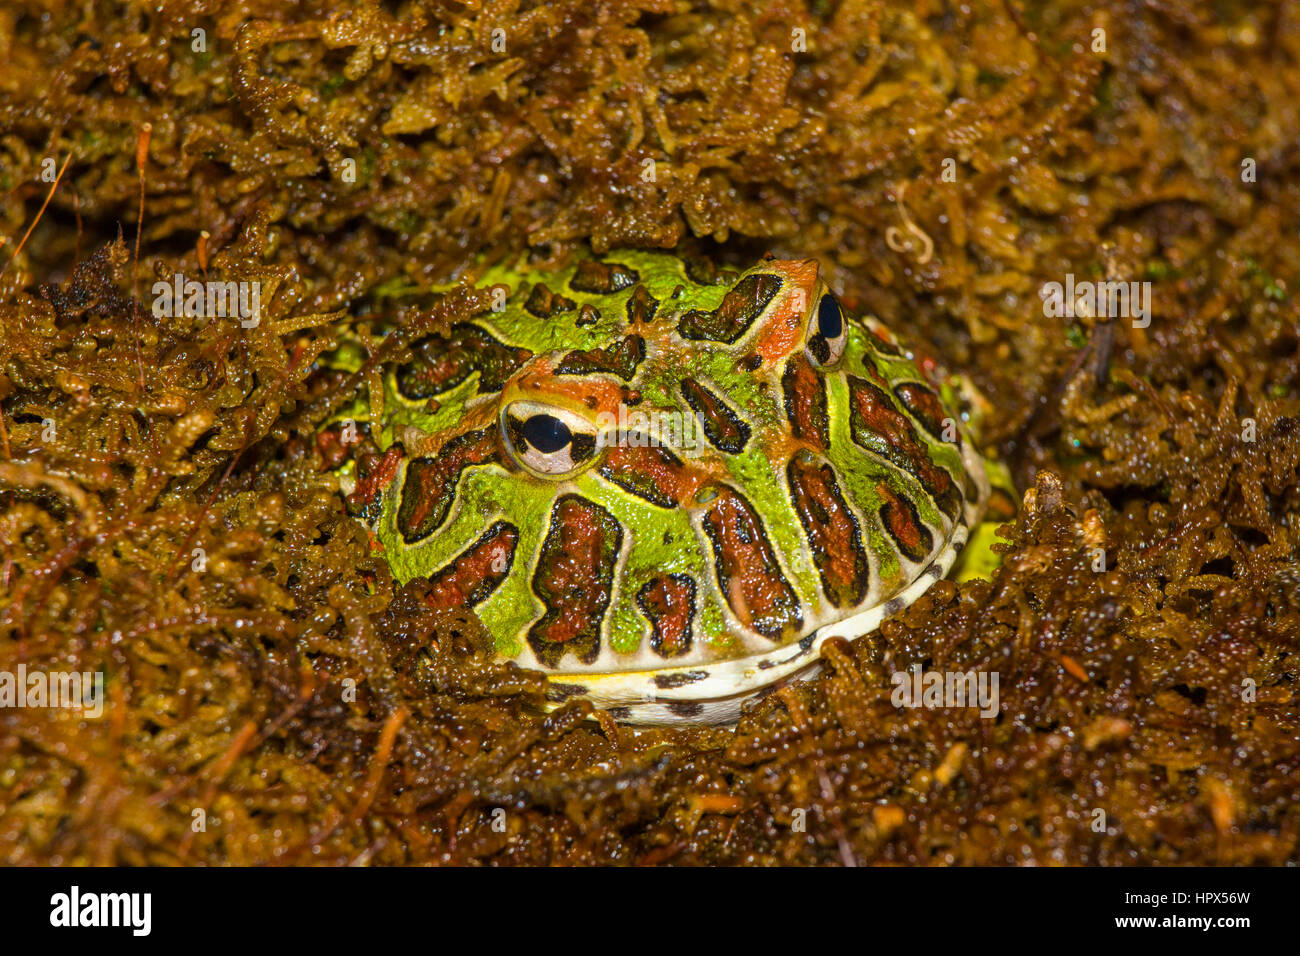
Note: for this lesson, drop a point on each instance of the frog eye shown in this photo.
(827, 332)
(546, 441)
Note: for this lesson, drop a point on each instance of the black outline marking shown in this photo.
(561, 692)
(443, 502)
(655, 496)
(685, 708)
(669, 681)
(600, 277)
(545, 304)
(738, 312)
(702, 401)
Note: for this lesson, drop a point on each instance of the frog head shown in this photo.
(667, 490)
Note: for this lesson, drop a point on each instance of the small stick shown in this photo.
(141, 158)
(203, 252)
(54, 186)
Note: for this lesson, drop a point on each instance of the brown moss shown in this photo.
(276, 678)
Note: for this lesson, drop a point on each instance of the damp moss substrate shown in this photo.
(167, 517)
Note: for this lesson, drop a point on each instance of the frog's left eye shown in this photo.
(548, 442)
(827, 332)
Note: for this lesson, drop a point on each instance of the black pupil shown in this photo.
(829, 321)
(546, 433)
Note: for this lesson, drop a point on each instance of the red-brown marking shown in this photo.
(574, 579)
(430, 484)
(722, 426)
(376, 475)
(925, 405)
(476, 572)
(650, 472)
(833, 534)
(805, 402)
(878, 426)
(668, 602)
(748, 574)
(900, 519)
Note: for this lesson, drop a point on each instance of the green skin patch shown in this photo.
(720, 536)
(978, 560)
